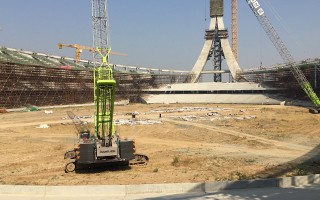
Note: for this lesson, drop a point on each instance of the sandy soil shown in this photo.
(202, 143)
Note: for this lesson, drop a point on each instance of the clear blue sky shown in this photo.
(158, 33)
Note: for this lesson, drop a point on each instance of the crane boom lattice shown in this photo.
(283, 50)
(100, 27)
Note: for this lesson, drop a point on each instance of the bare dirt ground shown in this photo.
(205, 142)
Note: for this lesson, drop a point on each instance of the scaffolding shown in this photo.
(23, 85)
(28, 78)
(282, 77)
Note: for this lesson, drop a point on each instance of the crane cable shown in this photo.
(285, 26)
(205, 10)
(108, 33)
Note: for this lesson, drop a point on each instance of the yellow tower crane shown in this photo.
(79, 49)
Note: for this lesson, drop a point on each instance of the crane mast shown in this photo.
(283, 51)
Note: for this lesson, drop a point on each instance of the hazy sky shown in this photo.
(158, 33)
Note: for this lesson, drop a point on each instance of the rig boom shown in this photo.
(283, 51)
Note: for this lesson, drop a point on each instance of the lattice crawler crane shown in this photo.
(104, 147)
(285, 54)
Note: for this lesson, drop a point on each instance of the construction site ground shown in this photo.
(189, 143)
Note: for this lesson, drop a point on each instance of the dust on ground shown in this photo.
(189, 143)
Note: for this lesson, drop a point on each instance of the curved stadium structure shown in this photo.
(29, 78)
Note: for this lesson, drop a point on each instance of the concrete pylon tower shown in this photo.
(216, 47)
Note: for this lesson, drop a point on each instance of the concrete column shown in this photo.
(203, 58)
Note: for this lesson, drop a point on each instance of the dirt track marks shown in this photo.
(280, 144)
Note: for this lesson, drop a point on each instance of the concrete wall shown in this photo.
(213, 98)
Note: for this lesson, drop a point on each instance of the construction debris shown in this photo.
(133, 113)
(188, 109)
(232, 117)
(3, 110)
(85, 117)
(48, 111)
(32, 108)
(132, 122)
(250, 117)
(122, 103)
(189, 118)
(43, 126)
(212, 113)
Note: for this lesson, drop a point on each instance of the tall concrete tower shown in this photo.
(216, 47)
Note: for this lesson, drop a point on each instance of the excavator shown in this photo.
(258, 11)
(104, 147)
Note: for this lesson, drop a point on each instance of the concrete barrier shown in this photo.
(22, 190)
(178, 188)
(89, 190)
(166, 188)
(231, 185)
(299, 180)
